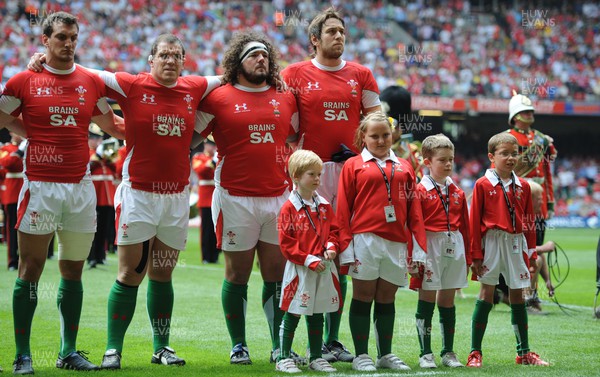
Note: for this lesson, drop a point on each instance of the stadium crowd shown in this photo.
(458, 50)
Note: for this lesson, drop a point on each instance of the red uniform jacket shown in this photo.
(204, 167)
(13, 177)
(536, 154)
(103, 175)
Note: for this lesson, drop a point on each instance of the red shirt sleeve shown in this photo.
(476, 225)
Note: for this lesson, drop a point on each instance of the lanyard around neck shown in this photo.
(511, 207)
(388, 183)
(445, 203)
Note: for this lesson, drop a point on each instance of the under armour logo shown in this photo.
(147, 98)
(241, 107)
(313, 85)
(492, 192)
(45, 91)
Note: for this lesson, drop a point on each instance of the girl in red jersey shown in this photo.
(382, 236)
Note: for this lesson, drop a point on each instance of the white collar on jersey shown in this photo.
(326, 68)
(429, 185)
(59, 71)
(367, 156)
(252, 90)
(489, 174)
(298, 204)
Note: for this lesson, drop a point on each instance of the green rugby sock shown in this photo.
(360, 325)
(160, 308)
(69, 302)
(479, 323)
(270, 301)
(234, 298)
(121, 307)
(383, 318)
(448, 325)
(424, 316)
(24, 303)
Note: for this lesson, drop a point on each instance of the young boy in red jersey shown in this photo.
(448, 250)
(308, 239)
(502, 242)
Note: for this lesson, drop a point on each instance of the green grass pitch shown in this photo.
(570, 343)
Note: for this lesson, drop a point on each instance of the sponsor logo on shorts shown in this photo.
(231, 236)
(429, 274)
(524, 276)
(124, 228)
(304, 297)
(34, 219)
(356, 264)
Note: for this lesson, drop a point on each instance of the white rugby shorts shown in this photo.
(376, 257)
(141, 215)
(242, 221)
(442, 270)
(502, 256)
(46, 207)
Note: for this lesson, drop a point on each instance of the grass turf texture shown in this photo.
(199, 334)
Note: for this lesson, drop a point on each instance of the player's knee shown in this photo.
(74, 246)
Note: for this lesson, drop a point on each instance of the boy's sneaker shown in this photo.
(531, 358)
(287, 366)
(326, 354)
(391, 361)
(77, 361)
(475, 359)
(363, 363)
(111, 360)
(427, 361)
(166, 356)
(340, 352)
(23, 365)
(299, 360)
(450, 360)
(239, 355)
(321, 365)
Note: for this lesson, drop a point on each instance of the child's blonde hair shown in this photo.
(302, 160)
(373, 117)
(501, 138)
(435, 142)
(536, 188)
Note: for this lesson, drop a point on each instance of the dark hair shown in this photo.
(58, 17)
(231, 60)
(169, 39)
(316, 25)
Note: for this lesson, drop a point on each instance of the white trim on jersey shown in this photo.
(213, 82)
(218, 174)
(59, 71)
(8, 104)
(252, 90)
(370, 99)
(326, 68)
(202, 121)
(125, 172)
(110, 80)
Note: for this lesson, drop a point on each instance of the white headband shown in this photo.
(250, 48)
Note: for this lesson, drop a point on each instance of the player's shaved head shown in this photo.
(232, 62)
